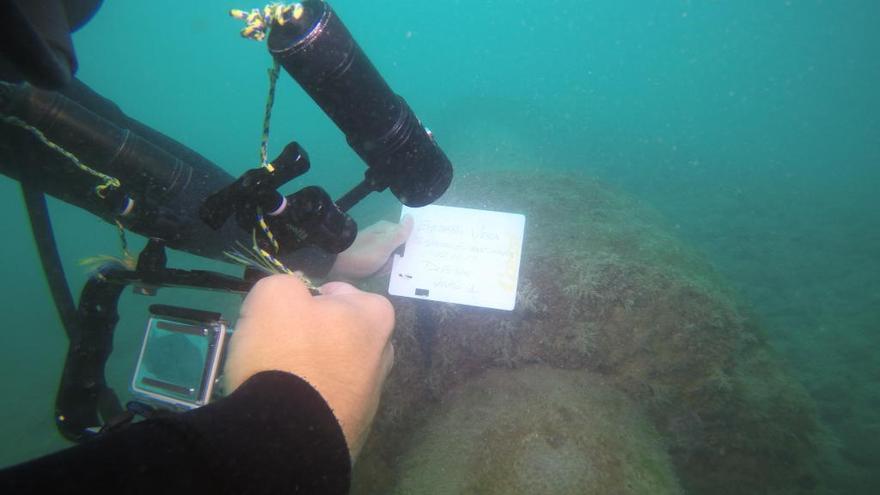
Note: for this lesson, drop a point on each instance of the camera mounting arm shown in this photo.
(307, 217)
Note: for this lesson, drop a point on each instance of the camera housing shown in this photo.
(181, 357)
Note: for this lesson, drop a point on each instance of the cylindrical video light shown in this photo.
(319, 52)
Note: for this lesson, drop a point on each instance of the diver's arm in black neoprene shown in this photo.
(274, 434)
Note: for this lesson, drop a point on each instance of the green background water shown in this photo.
(753, 125)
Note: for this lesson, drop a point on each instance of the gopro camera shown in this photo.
(180, 358)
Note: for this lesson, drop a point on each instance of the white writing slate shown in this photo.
(460, 255)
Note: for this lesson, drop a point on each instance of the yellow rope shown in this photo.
(268, 233)
(101, 189)
(126, 254)
(308, 283)
(281, 266)
(267, 117)
(271, 259)
(127, 261)
(257, 22)
(264, 151)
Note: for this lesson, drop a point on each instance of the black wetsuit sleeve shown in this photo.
(275, 434)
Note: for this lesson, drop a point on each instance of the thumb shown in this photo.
(338, 288)
(405, 229)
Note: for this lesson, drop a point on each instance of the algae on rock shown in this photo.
(606, 288)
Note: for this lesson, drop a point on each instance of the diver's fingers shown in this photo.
(338, 288)
(273, 293)
(373, 308)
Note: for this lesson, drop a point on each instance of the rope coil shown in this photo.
(258, 22)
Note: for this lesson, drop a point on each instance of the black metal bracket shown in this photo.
(85, 403)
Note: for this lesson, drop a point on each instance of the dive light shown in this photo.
(319, 52)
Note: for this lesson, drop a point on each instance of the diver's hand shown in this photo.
(339, 342)
(371, 250)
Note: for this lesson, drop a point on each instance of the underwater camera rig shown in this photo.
(75, 145)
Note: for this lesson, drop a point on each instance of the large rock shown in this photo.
(606, 287)
(536, 430)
